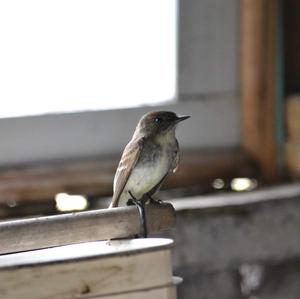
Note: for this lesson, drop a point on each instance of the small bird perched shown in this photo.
(148, 158)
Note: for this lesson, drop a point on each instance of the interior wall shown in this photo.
(208, 47)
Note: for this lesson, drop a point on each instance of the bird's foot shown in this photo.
(154, 201)
(142, 215)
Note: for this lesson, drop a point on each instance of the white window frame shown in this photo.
(212, 101)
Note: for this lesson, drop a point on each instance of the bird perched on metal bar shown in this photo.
(148, 158)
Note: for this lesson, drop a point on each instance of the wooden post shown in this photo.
(258, 24)
(43, 232)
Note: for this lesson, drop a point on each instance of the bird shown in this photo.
(149, 157)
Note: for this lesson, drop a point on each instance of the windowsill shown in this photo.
(214, 123)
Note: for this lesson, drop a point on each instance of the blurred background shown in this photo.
(76, 76)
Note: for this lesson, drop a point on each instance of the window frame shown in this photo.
(213, 104)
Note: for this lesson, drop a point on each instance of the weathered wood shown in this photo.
(95, 176)
(292, 158)
(292, 144)
(42, 232)
(251, 73)
(232, 199)
(292, 117)
(115, 269)
(258, 23)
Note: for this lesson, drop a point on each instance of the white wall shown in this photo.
(208, 46)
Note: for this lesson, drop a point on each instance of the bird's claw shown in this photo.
(155, 201)
(142, 215)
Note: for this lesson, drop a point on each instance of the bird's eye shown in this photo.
(158, 120)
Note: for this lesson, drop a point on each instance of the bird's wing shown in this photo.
(129, 159)
(176, 158)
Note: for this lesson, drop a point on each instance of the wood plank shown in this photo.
(251, 67)
(258, 29)
(92, 269)
(42, 232)
(95, 176)
(292, 156)
(292, 117)
(231, 199)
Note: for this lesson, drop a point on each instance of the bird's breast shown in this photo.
(148, 172)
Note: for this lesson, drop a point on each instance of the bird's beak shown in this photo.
(181, 118)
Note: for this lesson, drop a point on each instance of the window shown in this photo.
(66, 55)
(206, 65)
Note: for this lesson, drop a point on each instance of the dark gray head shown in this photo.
(156, 122)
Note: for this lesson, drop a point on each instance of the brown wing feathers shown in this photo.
(129, 159)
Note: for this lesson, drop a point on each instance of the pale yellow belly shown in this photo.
(143, 179)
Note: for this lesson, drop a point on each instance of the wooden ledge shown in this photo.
(43, 232)
(232, 199)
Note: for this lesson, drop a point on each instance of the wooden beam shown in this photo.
(95, 176)
(258, 24)
(231, 199)
(43, 232)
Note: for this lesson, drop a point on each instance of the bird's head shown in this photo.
(157, 122)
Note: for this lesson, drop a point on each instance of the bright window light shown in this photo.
(67, 203)
(218, 184)
(74, 55)
(243, 184)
